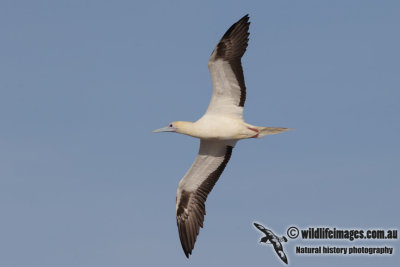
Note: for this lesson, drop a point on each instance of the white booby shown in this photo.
(218, 130)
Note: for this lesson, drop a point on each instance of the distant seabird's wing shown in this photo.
(195, 186)
(262, 228)
(229, 90)
(279, 250)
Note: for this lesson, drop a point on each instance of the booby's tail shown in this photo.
(262, 131)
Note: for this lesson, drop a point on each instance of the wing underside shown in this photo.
(194, 188)
(229, 89)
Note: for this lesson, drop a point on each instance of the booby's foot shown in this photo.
(254, 130)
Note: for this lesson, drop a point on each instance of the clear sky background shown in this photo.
(84, 182)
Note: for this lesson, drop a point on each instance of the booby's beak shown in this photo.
(165, 129)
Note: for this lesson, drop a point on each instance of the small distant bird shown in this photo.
(274, 240)
(218, 130)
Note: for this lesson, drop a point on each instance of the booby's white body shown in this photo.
(217, 127)
(218, 130)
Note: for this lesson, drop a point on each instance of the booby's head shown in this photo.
(183, 127)
(172, 127)
(264, 239)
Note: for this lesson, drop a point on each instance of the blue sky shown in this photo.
(84, 182)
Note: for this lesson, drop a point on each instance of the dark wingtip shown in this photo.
(243, 21)
(245, 17)
(256, 225)
(187, 251)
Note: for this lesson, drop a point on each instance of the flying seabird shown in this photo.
(218, 130)
(274, 240)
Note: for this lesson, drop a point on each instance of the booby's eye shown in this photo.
(170, 125)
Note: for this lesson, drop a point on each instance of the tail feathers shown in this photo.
(270, 130)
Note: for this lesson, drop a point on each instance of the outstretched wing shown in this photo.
(229, 90)
(279, 251)
(261, 228)
(195, 186)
